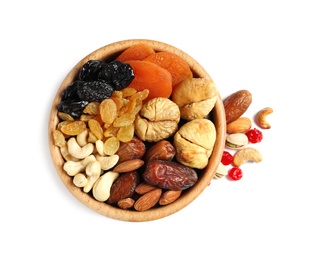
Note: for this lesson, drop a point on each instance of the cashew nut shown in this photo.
(107, 162)
(101, 188)
(66, 155)
(261, 117)
(80, 180)
(247, 154)
(99, 144)
(77, 151)
(93, 172)
(82, 137)
(74, 167)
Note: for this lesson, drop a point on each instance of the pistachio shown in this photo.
(221, 171)
(236, 141)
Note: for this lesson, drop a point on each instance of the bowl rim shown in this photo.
(110, 51)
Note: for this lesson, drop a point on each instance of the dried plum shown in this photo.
(70, 92)
(73, 108)
(119, 74)
(90, 70)
(94, 90)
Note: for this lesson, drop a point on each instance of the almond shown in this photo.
(129, 165)
(236, 104)
(169, 197)
(240, 125)
(148, 200)
(143, 188)
(126, 203)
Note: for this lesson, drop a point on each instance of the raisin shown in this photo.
(90, 70)
(73, 108)
(117, 73)
(123, 187)
(94, 90)
(169, 175)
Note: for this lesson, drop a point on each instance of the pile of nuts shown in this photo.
(136, 154)
(240, 134)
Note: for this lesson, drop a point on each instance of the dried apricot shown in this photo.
(151, 76)
(173, 63)
(136, 52)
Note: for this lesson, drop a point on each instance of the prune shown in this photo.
(94, 90)
(90, 70)
(123, 187)
(119, 74)
(73, 108)
(169, 175)
(70, 92)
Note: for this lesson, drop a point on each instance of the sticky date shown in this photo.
(169, 175)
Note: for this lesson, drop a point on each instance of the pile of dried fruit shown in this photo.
(240, 133)
(135, 131)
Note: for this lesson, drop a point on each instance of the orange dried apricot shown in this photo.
(173, 63)
(151, 76)
(135, 52)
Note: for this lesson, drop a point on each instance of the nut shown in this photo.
(77, 151)
(107, 162)
(148, 200)
(245, 155)
(195, 97)
(236, 141)
(101, 188)
(93, 172)
(221, 171)
(126, 203)
(236, 104)
(240, 125)
(74, 167)
(80, 180)
(260, 117)
(144, 187)
(169, 196)
(128, 166)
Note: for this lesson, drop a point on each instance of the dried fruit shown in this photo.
(235, 173)
(162, 150)
(236, 104)
(226, 158)
(169, 175)
(151, 76)
(174, 64)
(134, 149)
(254, 135)
(123, 187)
(73, 127)
(136, 52)
(108, 111)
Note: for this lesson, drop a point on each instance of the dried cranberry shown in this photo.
(235, 173)
(227, 158)
(254, 135)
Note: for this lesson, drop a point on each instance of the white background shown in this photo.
(262, 46)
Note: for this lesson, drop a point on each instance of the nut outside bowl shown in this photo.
(109, 52)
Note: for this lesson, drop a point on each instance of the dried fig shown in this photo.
(157, 120)
(195, 97)
(194, 143)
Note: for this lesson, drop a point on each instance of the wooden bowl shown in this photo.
(109, 52)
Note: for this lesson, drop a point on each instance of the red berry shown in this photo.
(254, 135)
(235, 173)
(227, 158)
